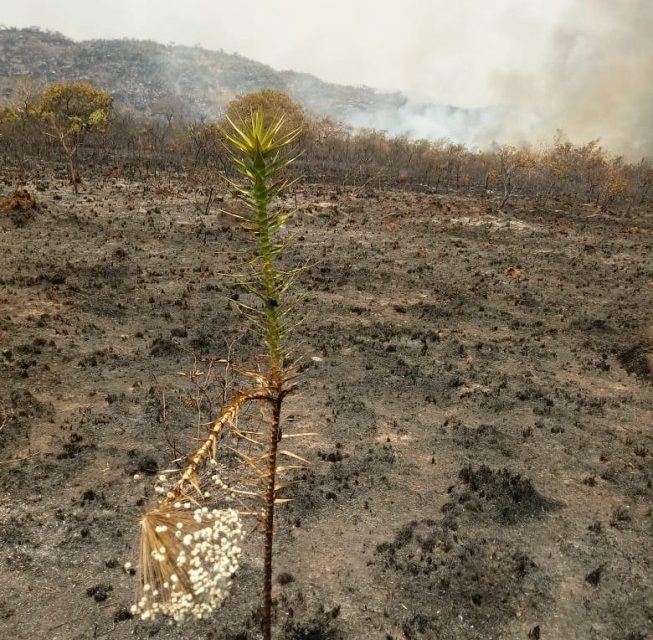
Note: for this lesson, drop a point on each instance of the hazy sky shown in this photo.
(585, 66)
(441, 49)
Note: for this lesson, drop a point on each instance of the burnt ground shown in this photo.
(480, 381)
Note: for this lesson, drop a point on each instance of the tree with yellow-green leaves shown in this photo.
(70, 110)
(274, 104)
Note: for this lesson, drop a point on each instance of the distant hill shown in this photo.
(143, 74)
(138, 73)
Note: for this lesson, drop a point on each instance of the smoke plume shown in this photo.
(587, 71)
(597, 79)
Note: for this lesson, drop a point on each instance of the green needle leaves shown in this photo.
(259, 159)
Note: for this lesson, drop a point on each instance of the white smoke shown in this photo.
(475, 128)
(587, 70)
(596, 80)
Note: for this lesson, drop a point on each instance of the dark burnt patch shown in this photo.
(508, 497)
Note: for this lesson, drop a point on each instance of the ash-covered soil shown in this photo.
(481, 383)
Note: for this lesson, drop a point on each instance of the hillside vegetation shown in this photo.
(138, 73)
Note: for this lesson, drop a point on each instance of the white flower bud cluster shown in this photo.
(225, 490)
(192, 564)
(162, 488)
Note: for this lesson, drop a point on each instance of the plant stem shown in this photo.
(228, 414)
(261, 167)
(270, 494)
(261, 194)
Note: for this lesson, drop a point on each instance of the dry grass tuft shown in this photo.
(19, 200)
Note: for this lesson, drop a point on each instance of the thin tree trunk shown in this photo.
(73, 173)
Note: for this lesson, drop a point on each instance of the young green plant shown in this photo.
(259, 161)
(189, 550)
